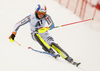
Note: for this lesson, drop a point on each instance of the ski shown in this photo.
(54, 55)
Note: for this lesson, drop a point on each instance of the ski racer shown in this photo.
(37, 21)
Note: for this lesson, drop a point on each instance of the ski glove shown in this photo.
(12, 36)
(43, 29)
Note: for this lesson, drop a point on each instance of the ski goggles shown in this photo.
(41, 13)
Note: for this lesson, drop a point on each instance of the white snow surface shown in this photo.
(80, 41)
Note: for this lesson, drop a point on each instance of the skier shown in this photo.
(37, 21)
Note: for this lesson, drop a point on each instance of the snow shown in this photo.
(80, 41)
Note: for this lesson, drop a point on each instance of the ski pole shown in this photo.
(11, 40)
(17, 43)
(72, 23)
(44, 29)
(42, 52)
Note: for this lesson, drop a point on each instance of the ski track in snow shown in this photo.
(80, 41)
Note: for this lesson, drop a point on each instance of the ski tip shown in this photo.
(28, 47)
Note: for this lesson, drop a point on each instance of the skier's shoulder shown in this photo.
(47, 16)
(32, 15)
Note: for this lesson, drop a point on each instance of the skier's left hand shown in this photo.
(44, 29)
(12, 36)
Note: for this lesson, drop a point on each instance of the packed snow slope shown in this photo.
(80, 41)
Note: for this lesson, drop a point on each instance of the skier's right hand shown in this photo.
(12, 36)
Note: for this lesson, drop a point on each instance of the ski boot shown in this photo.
(57, 55)
(70, 60)
(77, 64)
(51, 51)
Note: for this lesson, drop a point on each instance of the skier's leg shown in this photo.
(44, 45)
(62, 52)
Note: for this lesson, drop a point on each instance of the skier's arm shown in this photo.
(16, 27)
(50, 22)
(21, 23)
